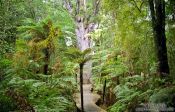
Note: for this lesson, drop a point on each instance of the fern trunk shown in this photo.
(47, 56)
(81, 87)
(104, 91)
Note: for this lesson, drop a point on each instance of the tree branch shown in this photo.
(68, 5)
(96, 5)
(135, 4)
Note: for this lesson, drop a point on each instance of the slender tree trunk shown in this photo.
(46, 59)
(76, 79)
(157, 8)
(104, 91)
(81, 87)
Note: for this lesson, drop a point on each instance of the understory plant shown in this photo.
(34, 82)
(143, 92)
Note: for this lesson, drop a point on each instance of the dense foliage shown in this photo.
(41, 54)
(126, 57)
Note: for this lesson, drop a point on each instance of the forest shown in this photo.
(87, 55)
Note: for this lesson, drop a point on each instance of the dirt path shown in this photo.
(89, 100)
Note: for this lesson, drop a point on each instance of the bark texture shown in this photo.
(157, 8)
(84, 26)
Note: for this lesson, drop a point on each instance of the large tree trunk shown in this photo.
(83, 27)
(84, 42)
(157, 8)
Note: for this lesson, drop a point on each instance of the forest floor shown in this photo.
(90, 100)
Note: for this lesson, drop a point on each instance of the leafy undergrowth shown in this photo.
(138, 91)
(38, 77)
(42, 93)
(127, 92)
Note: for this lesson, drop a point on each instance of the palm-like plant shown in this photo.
(41, 37)
(80, 57)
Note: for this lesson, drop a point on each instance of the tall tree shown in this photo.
(83, 12)
(157, 8)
